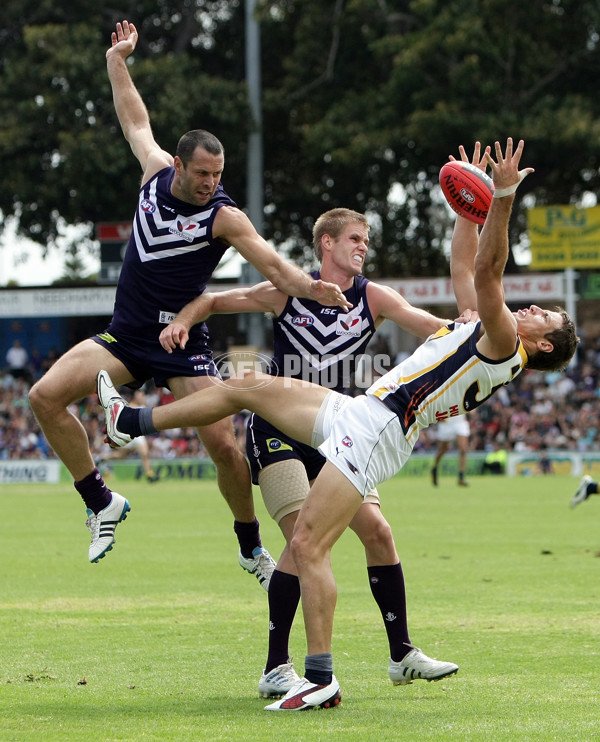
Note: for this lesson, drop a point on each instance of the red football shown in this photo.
(467, 189)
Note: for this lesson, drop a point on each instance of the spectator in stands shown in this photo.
(36, 364)
(495, 460)
(544, 465)
(50, 359)
(17, 360)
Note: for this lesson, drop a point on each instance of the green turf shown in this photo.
(165, 638)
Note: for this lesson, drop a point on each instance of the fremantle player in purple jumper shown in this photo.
(184, 222)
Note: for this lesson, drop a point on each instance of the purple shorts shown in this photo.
(266, 445)
(146, 359)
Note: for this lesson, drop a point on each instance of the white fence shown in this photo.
(29, 471)
(35, 471)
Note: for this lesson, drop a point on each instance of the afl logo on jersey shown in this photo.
(347, 441)
(348, 324)
(200, 357)
(147, 206)
(303, 320)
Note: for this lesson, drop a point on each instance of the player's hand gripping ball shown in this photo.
(467, 189)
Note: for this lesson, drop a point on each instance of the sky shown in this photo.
(21, 260)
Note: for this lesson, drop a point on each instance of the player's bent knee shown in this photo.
(378, 537)
(248, 381)
(41, 402)
(224, 451)
(306, 548)
(298, 549)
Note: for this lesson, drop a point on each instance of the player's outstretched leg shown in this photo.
(289, 404)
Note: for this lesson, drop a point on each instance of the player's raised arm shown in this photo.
(465, 240)
(498, 321)
(129, 106)
(235, 227)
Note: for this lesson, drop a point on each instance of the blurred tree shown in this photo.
(363, 102)
(63, 154)
(378, 93)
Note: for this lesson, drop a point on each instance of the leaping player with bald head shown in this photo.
(183, 224)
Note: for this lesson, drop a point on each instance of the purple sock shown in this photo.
(387, 586)
(94, 492)
(129, 420)
(248, 536)
(284, 596)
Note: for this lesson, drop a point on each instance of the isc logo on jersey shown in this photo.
(202, 362)
(187, 229)
(348, 324)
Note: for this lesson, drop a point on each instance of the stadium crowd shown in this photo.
(539, 411)
(21, 437)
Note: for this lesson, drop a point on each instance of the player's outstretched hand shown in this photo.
(123, 40)
(174, 334)
(478, 159)
(505, 168)
(329, 294)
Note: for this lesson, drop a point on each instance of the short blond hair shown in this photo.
(333, 223)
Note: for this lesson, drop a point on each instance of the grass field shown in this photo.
(165, 639)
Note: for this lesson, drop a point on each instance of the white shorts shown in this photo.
(447, 430)
(331, 406)
(365, 442)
